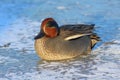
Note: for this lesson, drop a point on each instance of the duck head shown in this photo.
(49, 28)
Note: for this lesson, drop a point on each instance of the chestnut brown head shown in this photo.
(49, 28)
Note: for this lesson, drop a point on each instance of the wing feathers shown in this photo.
(75, 31)
(76, 36)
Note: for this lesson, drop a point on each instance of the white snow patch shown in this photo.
(61, 8)
(4, 79)
(5, 60)
(20, 34)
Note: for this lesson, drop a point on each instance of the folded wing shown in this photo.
(72, 32)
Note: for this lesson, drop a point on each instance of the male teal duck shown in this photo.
(64, 42)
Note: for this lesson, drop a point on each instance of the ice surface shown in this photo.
(20, 22)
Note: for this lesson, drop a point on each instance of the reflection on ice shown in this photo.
(103, 63)
(98, 66)
(21, 35)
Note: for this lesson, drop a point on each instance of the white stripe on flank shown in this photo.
(76, 36)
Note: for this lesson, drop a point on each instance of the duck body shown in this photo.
(70, 41)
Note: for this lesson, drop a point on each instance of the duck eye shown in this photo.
(51, 24)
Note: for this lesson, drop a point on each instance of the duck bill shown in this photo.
(40, 35)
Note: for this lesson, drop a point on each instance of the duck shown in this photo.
(54, 42)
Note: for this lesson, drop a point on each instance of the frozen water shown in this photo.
(20, 22)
